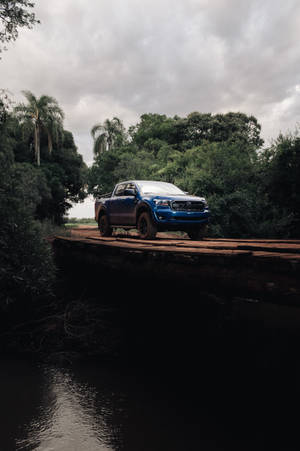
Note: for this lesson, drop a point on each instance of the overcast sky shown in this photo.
(106, 58)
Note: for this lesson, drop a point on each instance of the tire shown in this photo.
(198, 234)
(103, 225)
(147, 229)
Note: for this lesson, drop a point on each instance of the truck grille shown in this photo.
(188, 205)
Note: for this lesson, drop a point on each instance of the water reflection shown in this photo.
(91, 408)
(68, 419)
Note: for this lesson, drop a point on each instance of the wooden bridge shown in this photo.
(267, 270)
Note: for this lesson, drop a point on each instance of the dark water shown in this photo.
(90, 408)
(156, 407)
(193, 376)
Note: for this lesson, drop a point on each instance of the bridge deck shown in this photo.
(268, 269)
(286, 249)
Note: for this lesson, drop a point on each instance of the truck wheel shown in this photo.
(198, 234)
(147, 229)
(104, 227)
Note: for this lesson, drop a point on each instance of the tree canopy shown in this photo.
(251, 190)
(37, 139)
(14, 15)
(31, 194)
(107, 135)
(25, 259)
(39, 114)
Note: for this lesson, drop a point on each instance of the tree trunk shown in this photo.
(50, 145)
(37, 144)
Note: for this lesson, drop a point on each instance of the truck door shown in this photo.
(115, 205)
(122, 205)
(129, 205)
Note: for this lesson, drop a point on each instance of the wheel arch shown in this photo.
(102, 211)
(141, 209)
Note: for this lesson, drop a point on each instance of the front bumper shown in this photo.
(167, 216)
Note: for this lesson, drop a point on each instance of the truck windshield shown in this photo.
(159, 188)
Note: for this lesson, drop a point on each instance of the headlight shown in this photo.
(162, 202)
(204, 202)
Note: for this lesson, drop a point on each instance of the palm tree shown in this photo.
(108, 134)
(40, 114)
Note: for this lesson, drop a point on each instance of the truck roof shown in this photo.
(142, 181)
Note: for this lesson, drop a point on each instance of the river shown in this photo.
(190, 376)
(236, 403)
(91, 407)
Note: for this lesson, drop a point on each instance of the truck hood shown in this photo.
(187, 198)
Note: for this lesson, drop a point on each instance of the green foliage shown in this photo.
(30, 194)
(26, 266)
(76, 222)
(279, 168)
(251, 192)
(154, 127)
(38, 115)
(196, 129)
(14, 15)
(226, 176)
(50, 230)
(5, 103)
(107, 135)
(65, 175)
(62, 171)
(233, 127)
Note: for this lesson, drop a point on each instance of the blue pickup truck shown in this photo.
(151, 206)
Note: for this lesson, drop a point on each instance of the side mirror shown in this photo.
(129, 192)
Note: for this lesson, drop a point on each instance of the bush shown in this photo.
(26, 264)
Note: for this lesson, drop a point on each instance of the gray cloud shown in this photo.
(102, 59)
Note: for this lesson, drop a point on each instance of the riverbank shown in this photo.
(266, 270)
(170, 314)
(120, 298)
(120, 361)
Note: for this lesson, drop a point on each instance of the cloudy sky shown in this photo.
(106, 58)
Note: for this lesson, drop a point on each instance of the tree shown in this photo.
(14, 15)
(279, 171)
(5, 103)
(62, 172)
(26, 265)
(196, 129)
(224, 172)
(233, 127)
(107, 135)
(156, 129)
(214, 156)
(41, 114)
(65, 173)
